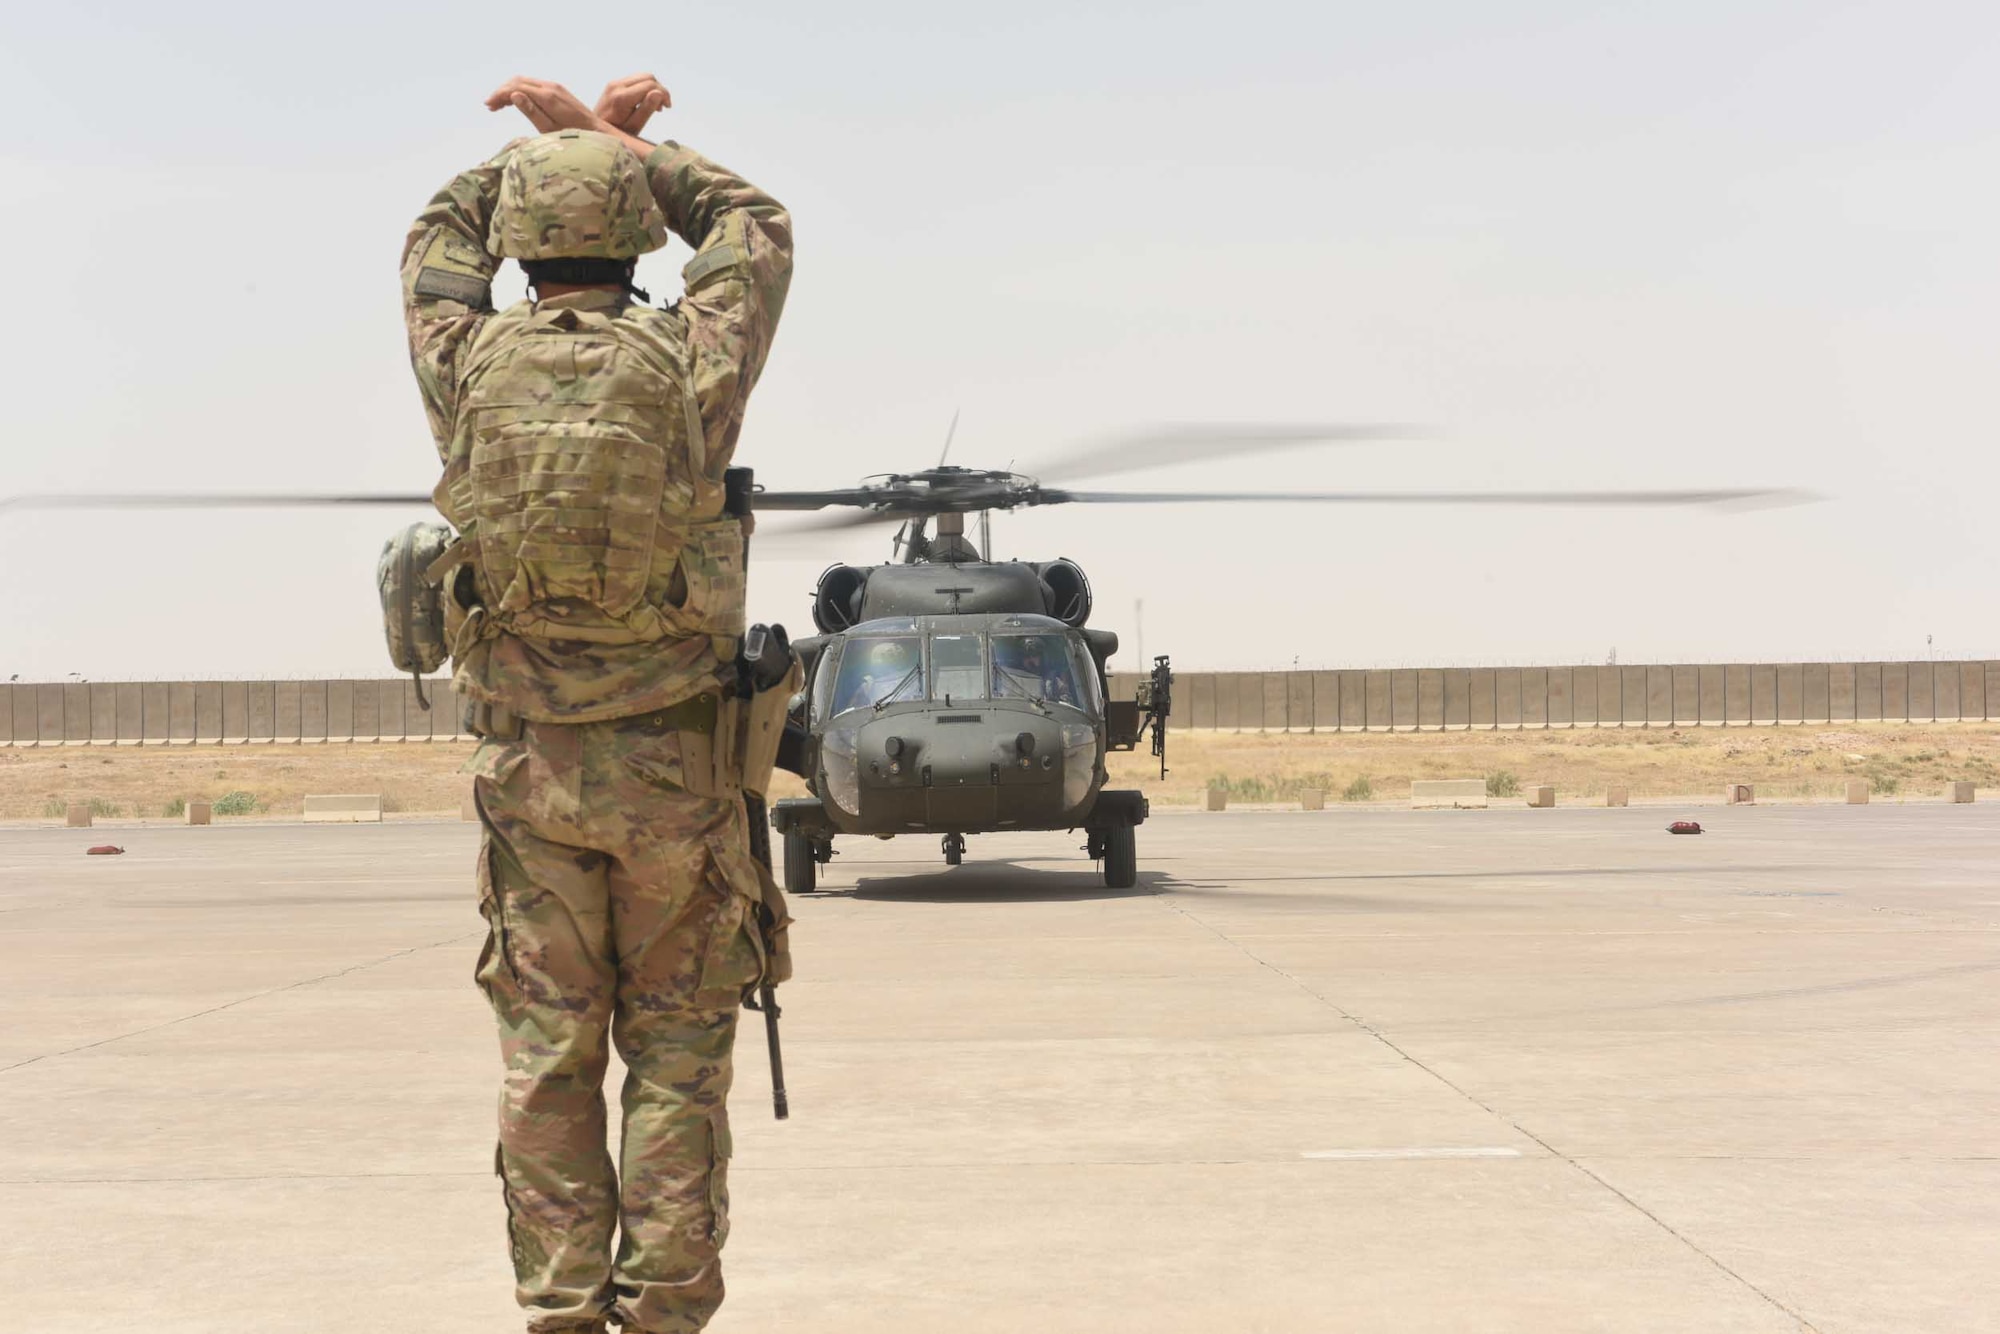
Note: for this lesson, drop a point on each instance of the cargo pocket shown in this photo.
(720, 1147)
(734, 960)
(496, 963)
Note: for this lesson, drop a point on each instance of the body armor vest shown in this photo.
(593, 515)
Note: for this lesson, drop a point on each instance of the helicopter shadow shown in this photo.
(998, 882)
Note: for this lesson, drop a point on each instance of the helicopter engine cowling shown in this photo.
(837, 599)
(1068, 591)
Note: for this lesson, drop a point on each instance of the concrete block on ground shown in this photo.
(1457, 793)
(352, 808)
(78, 815)
(1857, 792)
(1218, 798)
(1617, 796)
(1543, 796)
(200, 812)
(1740, 794)
(1312, 799)
(468, 807)
(1958, 793)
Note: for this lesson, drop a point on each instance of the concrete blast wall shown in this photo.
(1403, 699)
(132, 713)
(1665, 695)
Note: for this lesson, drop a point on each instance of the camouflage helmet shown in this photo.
(575, 194)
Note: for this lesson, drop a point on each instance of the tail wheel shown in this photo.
(1121, 857)
(954, 849)
(801, 870)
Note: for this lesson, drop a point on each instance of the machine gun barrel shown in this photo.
(763, 661)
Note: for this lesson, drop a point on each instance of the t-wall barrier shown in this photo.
(1402, 699)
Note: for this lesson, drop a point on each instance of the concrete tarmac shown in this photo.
(1361, 1070)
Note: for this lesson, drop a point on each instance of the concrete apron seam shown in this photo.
(1364, 1026)
(242, 1000)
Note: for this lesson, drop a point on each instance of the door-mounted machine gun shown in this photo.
(1125, 721)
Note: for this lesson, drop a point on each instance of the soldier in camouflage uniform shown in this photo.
(584, 437)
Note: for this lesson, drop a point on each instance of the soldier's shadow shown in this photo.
(997, 882)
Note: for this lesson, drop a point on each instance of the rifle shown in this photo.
(763, 662)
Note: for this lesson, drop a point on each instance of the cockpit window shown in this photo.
(1092, 698)
(958, 667)
(879, 671)
(1033, 667)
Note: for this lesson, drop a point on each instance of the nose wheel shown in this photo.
(954, 849)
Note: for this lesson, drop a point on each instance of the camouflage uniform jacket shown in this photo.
(735, 291)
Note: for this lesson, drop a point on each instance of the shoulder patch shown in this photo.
(709, 261)
(435, 282)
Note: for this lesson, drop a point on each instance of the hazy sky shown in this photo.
(1593, 245)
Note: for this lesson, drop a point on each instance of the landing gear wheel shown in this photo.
(954, 849)
(1121, 857)
(801, 870)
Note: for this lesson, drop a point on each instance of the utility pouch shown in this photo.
(411, 585)
(709, 754)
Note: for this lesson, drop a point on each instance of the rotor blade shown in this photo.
(1740, 498)
(1186, 443)
(812, 500)
(835, 522)
(201, 500)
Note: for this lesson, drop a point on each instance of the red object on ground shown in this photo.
(1684, 827)
(104, 850)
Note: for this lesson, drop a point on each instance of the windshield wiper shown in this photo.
(896, 689)
(1021, 680)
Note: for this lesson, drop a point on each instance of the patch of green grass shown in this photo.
(1883, 785)
(175, 809)
(1264, 787)
(58, 808)
(237, 803)
(1502, 784)
(1358, 790)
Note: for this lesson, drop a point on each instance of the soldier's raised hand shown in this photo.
(548, 106)
(630, 102)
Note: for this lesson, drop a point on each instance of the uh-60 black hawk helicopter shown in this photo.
(952, 694)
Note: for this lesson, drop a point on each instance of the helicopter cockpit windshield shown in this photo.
(1034, 667)
(958, 666)
(876, 671)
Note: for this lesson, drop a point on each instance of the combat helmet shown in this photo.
(575, 194)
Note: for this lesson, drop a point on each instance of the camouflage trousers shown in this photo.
(619, 906)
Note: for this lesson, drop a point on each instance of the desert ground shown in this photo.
(1901, 762)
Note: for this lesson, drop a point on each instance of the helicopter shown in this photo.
(952, 694)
